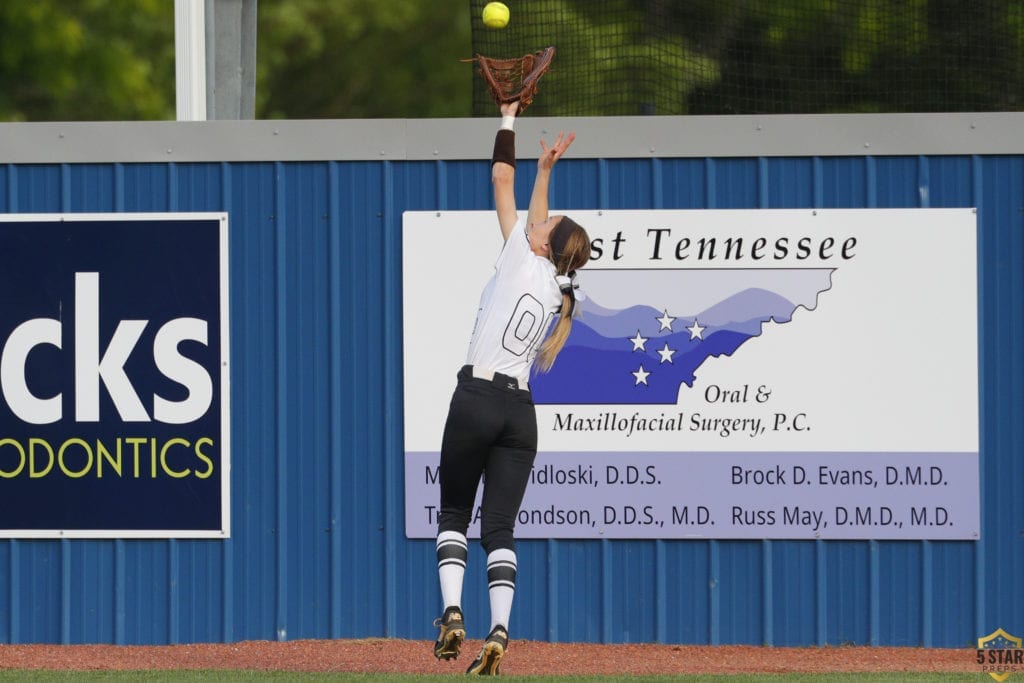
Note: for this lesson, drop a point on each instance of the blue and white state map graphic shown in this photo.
(733, 374)
(643, 353)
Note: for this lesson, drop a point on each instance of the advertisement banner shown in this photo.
(114, 375)
(730, 374)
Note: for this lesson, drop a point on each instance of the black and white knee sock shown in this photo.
(452, 552)
(501, 584)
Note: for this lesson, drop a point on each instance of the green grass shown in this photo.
(182, 676)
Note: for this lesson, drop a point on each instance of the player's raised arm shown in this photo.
(549, 157)
(503, 170)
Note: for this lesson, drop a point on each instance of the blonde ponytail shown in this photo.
(574, 255)
(556, 340)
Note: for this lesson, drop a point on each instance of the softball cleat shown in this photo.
(453, 631)
(489, 659)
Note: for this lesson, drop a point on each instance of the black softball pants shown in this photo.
(491, 432)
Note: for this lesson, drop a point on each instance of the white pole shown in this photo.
(190, 59)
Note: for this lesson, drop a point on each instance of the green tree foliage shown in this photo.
(362, 59)
(64, 60)
(828, 56)
(613, 57)
(81, 60)
(624, 57)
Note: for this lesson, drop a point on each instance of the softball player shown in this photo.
(491, 431)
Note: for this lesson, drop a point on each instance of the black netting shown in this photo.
(628, 57)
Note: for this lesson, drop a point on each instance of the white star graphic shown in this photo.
(641, 375)
(666, 354)
(638, 342)
(666, 321)
(696, 331)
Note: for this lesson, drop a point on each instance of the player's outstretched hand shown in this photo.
(551, 155)
(509, 108)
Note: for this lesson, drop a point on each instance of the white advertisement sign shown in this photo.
(730, 374)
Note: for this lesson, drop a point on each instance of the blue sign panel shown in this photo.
(113, 375)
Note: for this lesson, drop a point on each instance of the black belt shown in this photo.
(496, 377)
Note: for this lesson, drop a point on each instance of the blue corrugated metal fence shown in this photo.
(318, 548)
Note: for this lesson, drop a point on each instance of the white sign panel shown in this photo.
(730, 374)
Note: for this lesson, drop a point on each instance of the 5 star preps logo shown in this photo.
(999, 654)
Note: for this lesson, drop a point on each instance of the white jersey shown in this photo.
(516, 308)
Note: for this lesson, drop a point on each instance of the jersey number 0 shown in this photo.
(525, 327)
